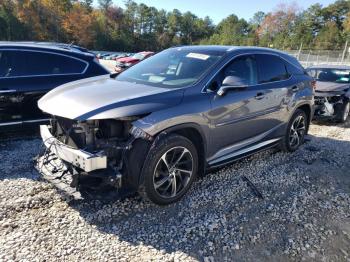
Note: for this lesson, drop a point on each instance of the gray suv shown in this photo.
(159, 125)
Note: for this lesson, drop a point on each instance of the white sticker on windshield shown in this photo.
(198, 56)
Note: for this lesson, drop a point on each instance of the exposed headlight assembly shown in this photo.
(139, 133)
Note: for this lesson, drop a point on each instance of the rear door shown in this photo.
(276, 85)
(35, 73)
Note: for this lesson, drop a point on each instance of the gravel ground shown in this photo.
(305, 213)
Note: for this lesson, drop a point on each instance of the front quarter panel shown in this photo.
(190, 112)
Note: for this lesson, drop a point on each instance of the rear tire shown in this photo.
(169, 170)
(295, 132)
(342, 111)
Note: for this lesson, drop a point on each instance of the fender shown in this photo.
(175, 129)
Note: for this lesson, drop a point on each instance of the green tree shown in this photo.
(230, 31)
(329, 37)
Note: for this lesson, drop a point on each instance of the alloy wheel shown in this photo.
(297, 131)
(173, 172)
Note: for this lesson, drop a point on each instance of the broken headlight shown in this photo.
(139, 133)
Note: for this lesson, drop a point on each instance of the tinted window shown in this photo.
(271, 69)
(25, 63)
(293, 70)
(11, 64)
(294, 67)
(244, 68)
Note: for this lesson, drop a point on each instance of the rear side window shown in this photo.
(271, 69)
(27, 63)
(294, 67)
(11, 64)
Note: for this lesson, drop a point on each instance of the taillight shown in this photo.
(313, 84)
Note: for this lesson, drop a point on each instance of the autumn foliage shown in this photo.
(140, 27)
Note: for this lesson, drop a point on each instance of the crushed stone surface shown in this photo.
(305, 213)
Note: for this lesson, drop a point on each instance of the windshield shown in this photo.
(331, 75)
(172, 68)
(139, 56)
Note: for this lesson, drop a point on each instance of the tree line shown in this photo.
(140, 27)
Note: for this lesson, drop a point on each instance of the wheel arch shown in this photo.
(141, 148)
(195, 134)
(308, 111)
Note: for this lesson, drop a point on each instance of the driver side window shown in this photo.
(243, 68)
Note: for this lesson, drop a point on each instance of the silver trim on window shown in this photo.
(47, 52)
(246, 54)
(24, 122)
(8, 91)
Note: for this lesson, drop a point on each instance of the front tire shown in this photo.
(343, 111)
(295, 133)
(169, 170)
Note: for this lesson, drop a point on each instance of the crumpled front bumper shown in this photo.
(78, 158)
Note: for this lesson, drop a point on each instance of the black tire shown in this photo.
(342, 111)
(156, 171)
(286, 144)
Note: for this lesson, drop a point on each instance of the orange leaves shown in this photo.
(78, 25)
(281, 19)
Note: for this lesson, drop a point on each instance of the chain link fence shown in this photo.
(315, 57)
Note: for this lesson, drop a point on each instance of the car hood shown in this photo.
(331, 86)
(103, 98)
(127, 60)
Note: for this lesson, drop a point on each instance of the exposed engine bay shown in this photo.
(94, 153)
(329, 104)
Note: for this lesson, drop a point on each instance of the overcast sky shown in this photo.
(219, 9)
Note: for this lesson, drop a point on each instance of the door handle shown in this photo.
(295, 89)
(260, 95)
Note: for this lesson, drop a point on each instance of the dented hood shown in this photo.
(331, 86)
(103, 98)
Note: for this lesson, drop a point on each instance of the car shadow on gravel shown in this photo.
(306, 194)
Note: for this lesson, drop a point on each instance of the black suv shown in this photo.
(28, 70)
(158, 125)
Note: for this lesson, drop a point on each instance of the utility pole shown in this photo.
(344, 52)
(301, 46)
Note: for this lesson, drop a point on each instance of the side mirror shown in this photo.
(231, 83)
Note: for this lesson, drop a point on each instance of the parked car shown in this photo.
(120, 56)
(111, 56)
(29, 70)
(154, 128)
(102, 55)
(126, 62)
(332, 94)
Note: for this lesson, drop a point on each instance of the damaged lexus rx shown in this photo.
(332, 94)
(157, 126)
